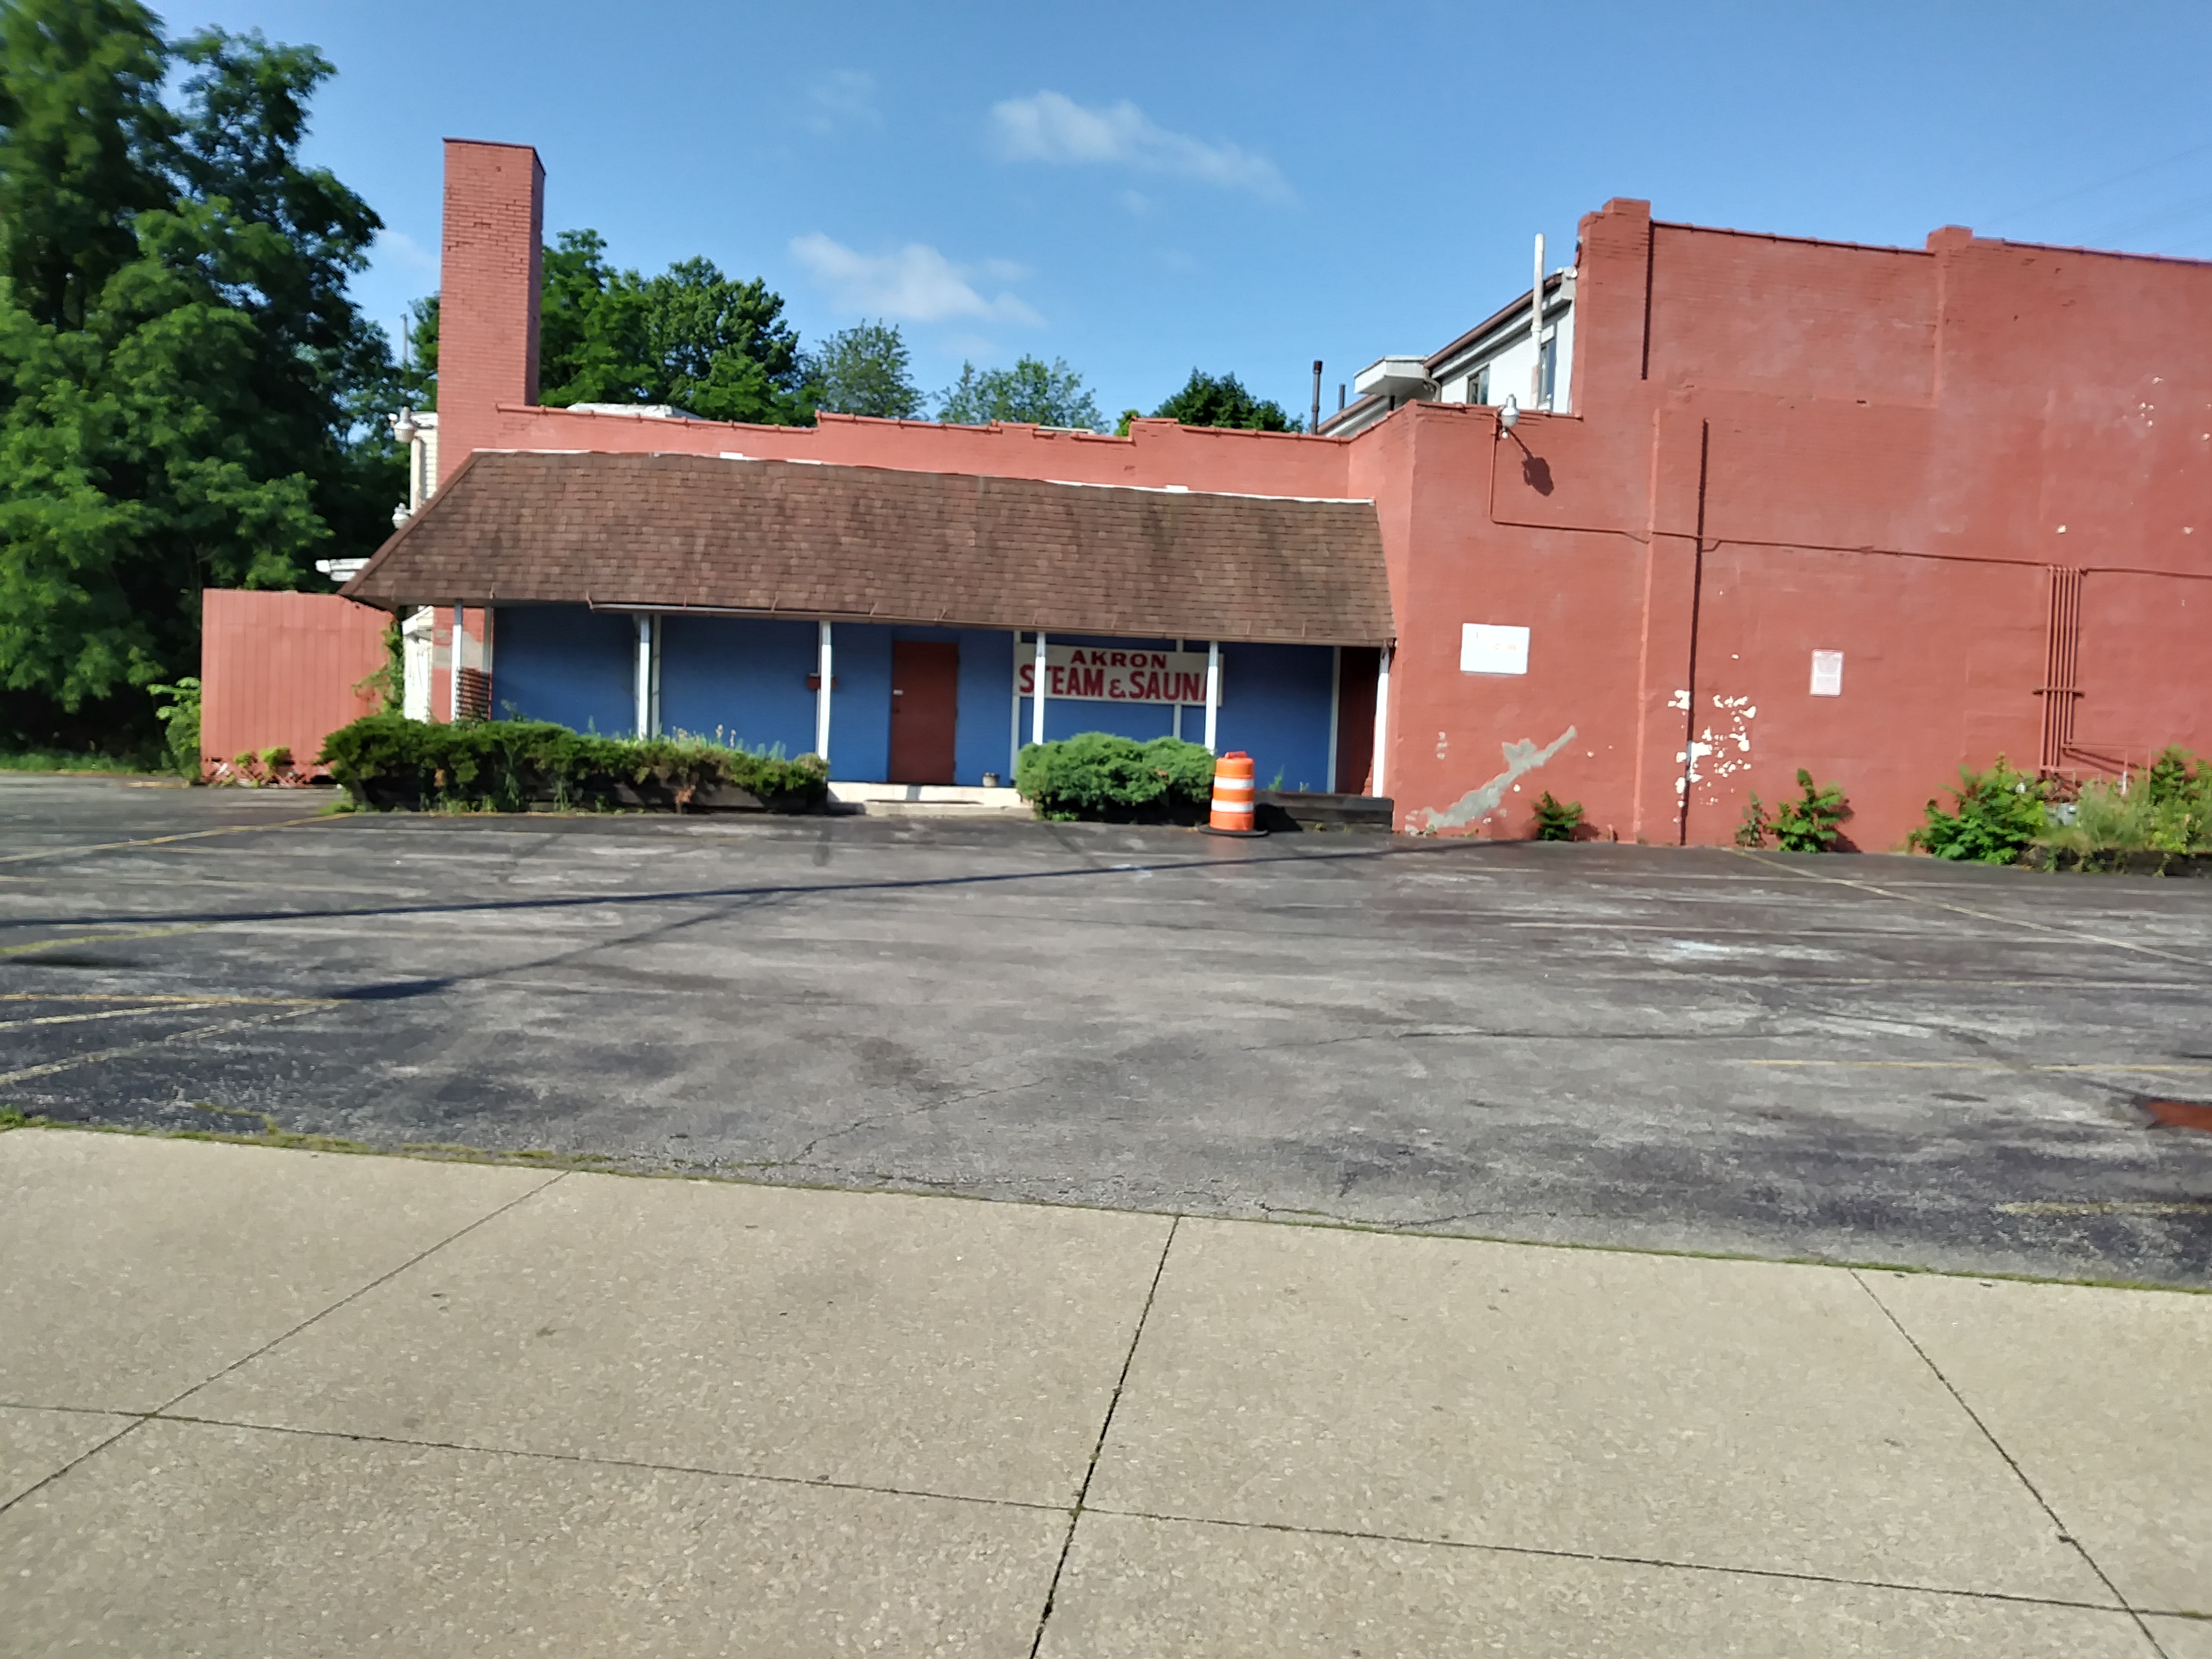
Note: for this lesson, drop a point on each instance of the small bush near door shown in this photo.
(505, 766)
(1095, 775)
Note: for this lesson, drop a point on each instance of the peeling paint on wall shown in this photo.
(1521, 758)
(1732, 746)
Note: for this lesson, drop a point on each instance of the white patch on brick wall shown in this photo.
(1827, 673)
(1521, 758)
(1730, 744)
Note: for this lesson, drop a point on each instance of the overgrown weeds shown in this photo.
(178, 707)
(2165, 808)
(1557, 820)
(1813, 823)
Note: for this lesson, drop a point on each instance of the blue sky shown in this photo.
(1141, 188)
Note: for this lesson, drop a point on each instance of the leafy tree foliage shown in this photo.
(186, 392)
(1049, 394)
(864, 370)
(691, 336)
(1221, 400)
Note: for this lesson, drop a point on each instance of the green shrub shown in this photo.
(178, 707)
(1999, 814)
(1095, 775)
(1811, 824)
(1557, 820)
(502, 766)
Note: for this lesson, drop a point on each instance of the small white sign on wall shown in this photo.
(1827, 673)
(1489, 648)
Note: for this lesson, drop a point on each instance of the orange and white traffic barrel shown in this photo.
(1232, 796)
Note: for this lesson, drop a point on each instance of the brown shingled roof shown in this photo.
(851, 542)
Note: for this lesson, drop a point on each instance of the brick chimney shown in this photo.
(487, 292)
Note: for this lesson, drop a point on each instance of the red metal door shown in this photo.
(925, 705)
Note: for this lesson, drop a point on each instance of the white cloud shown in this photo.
(1054, 127)
(842, 98)
(399, 246)
(917, 284)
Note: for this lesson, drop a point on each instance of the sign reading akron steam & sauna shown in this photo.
(1096, 673)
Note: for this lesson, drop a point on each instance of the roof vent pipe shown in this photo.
(1316, 427)
(1536, 329)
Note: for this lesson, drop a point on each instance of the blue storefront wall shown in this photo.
(744, 680)
(860, 708)
(1276, 703)
(739, 680)
(563, 663)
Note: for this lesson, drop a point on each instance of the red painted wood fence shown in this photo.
(279, 669)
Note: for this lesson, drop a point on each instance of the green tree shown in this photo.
(1048, 394)
(1221, 400)
(691, 337)
(865, 369)
(186, 394)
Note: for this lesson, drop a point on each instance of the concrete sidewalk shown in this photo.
(255, 1401)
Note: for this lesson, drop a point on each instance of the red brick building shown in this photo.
(1875, 512)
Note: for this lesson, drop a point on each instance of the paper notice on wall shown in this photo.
(1490, 648)
(1093, 673)
(1827, 673)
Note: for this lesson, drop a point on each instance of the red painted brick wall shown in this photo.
(491, 265)
(1779, 446)
(1806, 447)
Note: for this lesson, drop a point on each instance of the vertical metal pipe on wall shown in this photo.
(1036, 693)
(642, 685)
(1381, 784)
(453, 675)
(1336, 696)
(1213, 695)
(1536, 329)
(825, 681)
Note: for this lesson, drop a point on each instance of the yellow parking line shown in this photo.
(209, 1001)
(99, 1055)
(1972, 1065)
(159, 841)
(2115, 1207)
(104, 1013)
(98, 939)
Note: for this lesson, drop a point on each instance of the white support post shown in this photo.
(1037, 692)
(641, 687)
(1381, 785)
(1213, 695)
(1335, 689)
(653, 701)
(418, 660)
(1175, 731)
(825, 681)
(453, 678)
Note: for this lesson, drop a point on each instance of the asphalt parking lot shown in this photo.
(1871, 1059)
